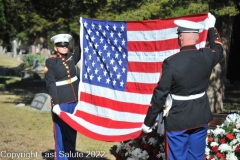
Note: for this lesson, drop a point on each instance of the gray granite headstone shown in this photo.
(41, 101)
(2, 50)
(25, 75)
(14, 47)
(37, 65)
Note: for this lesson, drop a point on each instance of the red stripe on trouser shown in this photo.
(64, 135)
(54, 131)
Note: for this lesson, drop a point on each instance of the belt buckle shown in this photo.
(68, 81)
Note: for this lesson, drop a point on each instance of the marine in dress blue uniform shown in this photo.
(62, 83)
(185, 77)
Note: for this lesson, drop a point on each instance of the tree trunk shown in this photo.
(217, 80)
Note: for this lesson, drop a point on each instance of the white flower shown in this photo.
(238, 125)
(225, 148)
(144, 139)
(218, 131)
(231, 156)
(145, 155)
(237, 136)
(234, 117)
(127, 146)
(130, 158)
(120, 147)
(152, 141)
(207, 151)
(136, 152)
(161, 155)
(236, 130)
(214, 144)
(233, 142)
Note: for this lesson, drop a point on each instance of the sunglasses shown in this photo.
(62, 44)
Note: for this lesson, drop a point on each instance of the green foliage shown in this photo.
(223, 7)
(229, 10)
(198, 8)
(29, 58)
(172, 8)
(113, 150)
(23, 36)
(33, 19)
(144, 11)
(2, 17)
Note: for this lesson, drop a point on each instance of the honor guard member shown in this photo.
(185, 76)
(62, 83)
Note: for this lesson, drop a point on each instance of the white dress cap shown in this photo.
(188, 26)
(61, 38)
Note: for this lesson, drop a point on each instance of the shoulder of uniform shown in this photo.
(168, 58)
(50, 58)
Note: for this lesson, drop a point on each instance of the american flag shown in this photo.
(120, 66)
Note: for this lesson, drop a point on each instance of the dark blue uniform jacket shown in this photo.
(186, 73)
(59, 68)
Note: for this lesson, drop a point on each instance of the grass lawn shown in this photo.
(26, 130)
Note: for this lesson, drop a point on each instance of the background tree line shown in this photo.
(34, 22)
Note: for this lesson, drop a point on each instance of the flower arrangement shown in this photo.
(146, 146)
(222, 143)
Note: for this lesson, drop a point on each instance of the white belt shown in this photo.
(168, 103)
(60, 83)
(190, 97)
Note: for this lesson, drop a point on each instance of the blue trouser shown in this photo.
(187, 144)
(64, 135)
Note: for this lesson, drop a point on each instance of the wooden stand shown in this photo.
(218, 119)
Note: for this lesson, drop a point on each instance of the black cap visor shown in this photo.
(62, 44)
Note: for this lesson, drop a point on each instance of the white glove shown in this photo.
(146, 129)
(211, 20)
(56, 109)
(168, 105)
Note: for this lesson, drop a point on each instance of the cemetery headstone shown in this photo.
(14, 47)
(37, 65)
(32, 49)
(41, 101)
(2, 50)
(25, 75)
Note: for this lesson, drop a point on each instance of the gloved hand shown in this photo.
(211, 20)
(56, 109)
(146, 129)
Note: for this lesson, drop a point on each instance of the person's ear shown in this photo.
(55, 48)
(181, 37)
